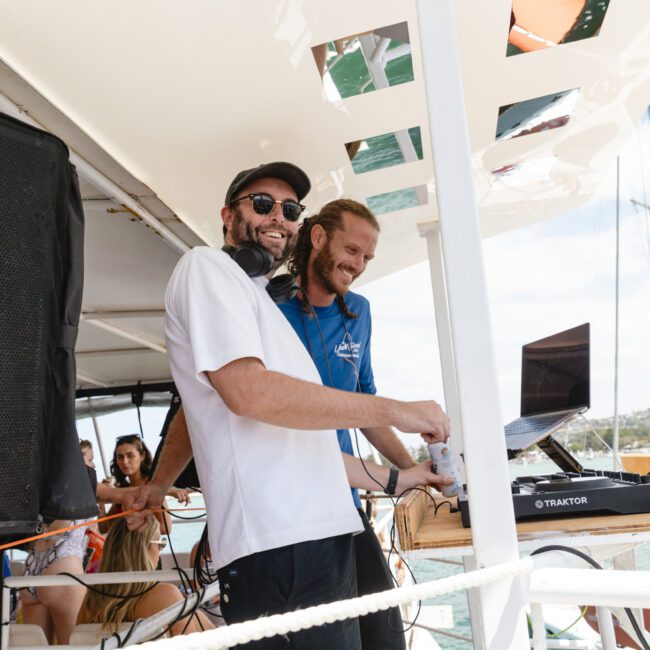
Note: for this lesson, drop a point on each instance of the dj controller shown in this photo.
(589, 492)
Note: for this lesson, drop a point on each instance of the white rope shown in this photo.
(238, 633)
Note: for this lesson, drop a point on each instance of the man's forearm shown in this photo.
(250, 390)
(385, 440)
(109, 494)
(365, 475)
(176, 453)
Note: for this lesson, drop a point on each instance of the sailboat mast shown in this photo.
(615, 459)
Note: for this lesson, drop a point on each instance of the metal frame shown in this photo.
(375, 54)
(103, 183)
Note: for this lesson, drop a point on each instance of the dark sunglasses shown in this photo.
(129, 439)
(264, 203)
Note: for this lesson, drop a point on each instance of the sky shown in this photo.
(541, 279)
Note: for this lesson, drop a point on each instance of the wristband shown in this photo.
(392, 481)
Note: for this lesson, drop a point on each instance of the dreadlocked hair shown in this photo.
(330, 218)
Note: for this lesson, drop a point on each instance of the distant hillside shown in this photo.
(634, 433)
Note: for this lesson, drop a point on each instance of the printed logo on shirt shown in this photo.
(347, 348)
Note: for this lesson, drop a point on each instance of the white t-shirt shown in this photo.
(264, 486)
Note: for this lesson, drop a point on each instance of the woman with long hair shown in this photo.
(55, 609)
(132, 461)
(127, 550)
(131, 467)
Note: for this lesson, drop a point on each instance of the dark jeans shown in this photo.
(289, 578)
(380, 630)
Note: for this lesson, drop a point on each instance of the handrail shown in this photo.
(239, 633)
(604, 589)
(126, 577)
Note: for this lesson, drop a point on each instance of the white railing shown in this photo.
(143, 630)
(604, 589)
(239, 633)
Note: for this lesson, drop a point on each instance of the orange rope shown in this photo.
(99, 520)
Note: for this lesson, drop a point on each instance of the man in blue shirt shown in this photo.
(334, 324)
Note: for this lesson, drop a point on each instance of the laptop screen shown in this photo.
(555, 372)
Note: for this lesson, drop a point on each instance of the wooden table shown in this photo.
(422, 533)
(637, 463)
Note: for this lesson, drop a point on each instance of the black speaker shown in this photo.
(42, 473)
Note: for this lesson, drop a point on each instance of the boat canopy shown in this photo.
(163, 103)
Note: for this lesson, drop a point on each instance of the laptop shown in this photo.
(555, 387)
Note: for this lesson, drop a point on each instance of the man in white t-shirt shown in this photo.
(261, 423)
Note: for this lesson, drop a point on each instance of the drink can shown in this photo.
(444, 464)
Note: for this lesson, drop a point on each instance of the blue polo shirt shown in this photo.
(340, 350)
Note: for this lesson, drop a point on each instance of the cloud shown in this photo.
(541, 279)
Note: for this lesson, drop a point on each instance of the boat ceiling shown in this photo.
(169, 100)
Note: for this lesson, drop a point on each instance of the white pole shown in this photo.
(6, 612)
(616, 459)
(493, 526)
(98, 436)
(606, 628)
(474, 607)
(539, 627)
(443, 327)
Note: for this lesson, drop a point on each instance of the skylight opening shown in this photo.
(360, 63)
(385, 150)
(536, 115)
(537, 24)
(410, 197)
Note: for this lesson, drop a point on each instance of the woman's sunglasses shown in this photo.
(162, 542)
(264, 203)
(129, 439)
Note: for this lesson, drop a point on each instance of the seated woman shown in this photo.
(127, 550)
(55, 609)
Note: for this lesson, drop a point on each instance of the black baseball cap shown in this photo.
(285, 171)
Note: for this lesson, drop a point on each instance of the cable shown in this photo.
(122, 642)
(591, 426)
(137, 398)
(202, 574)
(442, 503)
(568, 627)
(101, 591)
(595, 565)
(184, 578)
(187, 518)
(193, 610)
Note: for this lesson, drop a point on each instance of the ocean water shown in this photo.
(184, 536)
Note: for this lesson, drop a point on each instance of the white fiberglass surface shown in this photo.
(184, 97)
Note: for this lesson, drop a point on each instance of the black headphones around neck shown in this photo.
(256, 261)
